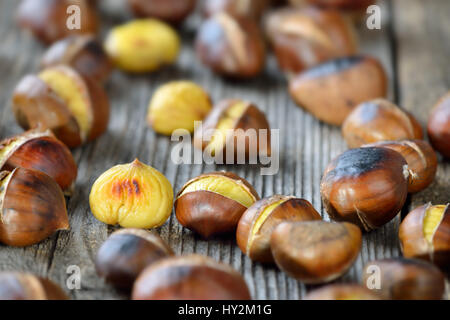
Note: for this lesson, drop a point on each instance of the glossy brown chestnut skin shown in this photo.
(342, 291)
(47, 19)
(26, 286)
(32, 208)
(257, 223)
(303, 38)
(246, 146)
(379, 120)
(439, 126)
(241, 8)
(40, 150)
(405, 279)
(420, 157)
(424, 237)
(172, 11)
(330, 91)
(315, 251)
(83, 53)
(126, 253)
(365, 186)
(211, 209)
(231, 46)
(192, 277)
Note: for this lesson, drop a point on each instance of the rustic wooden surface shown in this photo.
(413, 45)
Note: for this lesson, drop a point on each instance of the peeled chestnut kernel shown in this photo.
(213, 203)
(365, 186)
(425, 234)
(26, 286)
(405, 279)
(177, 105)
(420, 157)
(75, 108)
(439, 126)
(192, 277)
(315, 251)
(241, 8)
(237, 123)
(173, 11)
(81, 52)
(132, 195)
(48, 20)
(341, 291)
(258, 221)
(32, 207)
(142, 45)
(231, 46)
(40, 150)
(379, 120)
(330, 91)
(126, 253)
(303, 38)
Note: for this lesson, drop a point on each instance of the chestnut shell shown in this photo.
(439, 126)
(172, 11)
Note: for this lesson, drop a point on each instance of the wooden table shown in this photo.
(414, 47)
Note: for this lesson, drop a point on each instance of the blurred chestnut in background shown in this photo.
(240, 8)
(315, 251)
(231, 46)
(439, 126)
(48, 19)
(258, 221)
(425, 234)
(379, 120)
(83, 53)
(405, 279)
(342, 291)
(365, 186)
(173, 11)
(420, 157)
(331, 90)
(303, 38)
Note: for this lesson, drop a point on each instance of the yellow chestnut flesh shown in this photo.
(132, 195)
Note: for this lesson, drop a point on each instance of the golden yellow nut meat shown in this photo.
(132, 195)
(176, 105)
(142, 45)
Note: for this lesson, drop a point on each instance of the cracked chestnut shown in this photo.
(439, 126)
(242, 8)
(172, 11)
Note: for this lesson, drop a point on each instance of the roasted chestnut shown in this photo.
(379, 120)
(365, 186)
(425, 234)
(173, 11)
(231, 46)
(342, 291)
(258, 221)
(439, 126)
(213, 203)
(405, 279)
(241, 8)
(191, 277)
(315, 251)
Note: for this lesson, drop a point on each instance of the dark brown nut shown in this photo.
(315, 251)
(379, 120)
(330, 91)
(74, 108)
(213, 203)
(341, 291)
(365, 186)
(47, 19)
(231, 46)
(126, 253)
(32, 207)
(420, 157)
(425, 234)
(191, 277)
(240, 8)
(26, 286)
(40, 150)
(303, 38)
(83, 53)
(257, 223)
(405, 279)
(439, 126)
(235, 123)
(172, 11)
